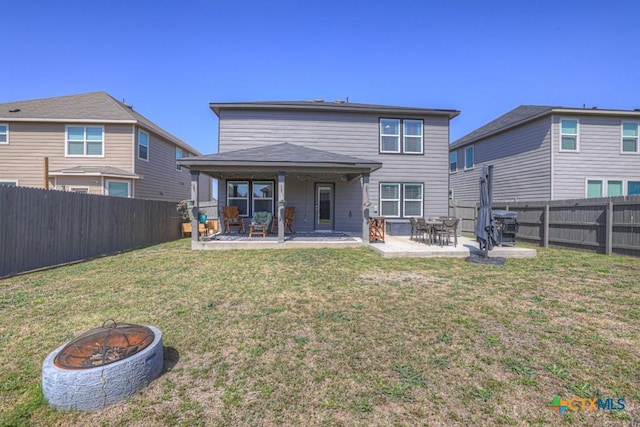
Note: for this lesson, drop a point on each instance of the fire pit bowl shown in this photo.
(102, 366)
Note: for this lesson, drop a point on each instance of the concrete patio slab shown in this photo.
(392, 247)
(403, 247)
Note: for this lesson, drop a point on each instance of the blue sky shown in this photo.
(169, 59)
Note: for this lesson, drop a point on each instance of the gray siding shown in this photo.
(521, 165)
(599, 157)
(349, 134)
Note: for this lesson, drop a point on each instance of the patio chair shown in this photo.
(414, 228)
(232, 218)
(260, 223)
(424, 230)
(446, 230)
(289, 216)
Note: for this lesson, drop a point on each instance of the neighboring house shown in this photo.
(339, 162)
(550, 153)
(92, 143)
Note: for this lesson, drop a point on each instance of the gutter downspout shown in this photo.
(552, 150)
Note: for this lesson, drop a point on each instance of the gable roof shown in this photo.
(280, 155)
(526, 113)
(92, 107)
(337, 106)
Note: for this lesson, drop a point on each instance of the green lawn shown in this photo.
(338, 337)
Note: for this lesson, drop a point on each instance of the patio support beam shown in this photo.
(281, 203)
(195, 191)
(366, 203)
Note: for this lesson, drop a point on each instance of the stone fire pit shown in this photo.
(102, 366)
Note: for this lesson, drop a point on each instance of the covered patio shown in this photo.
(329, 191)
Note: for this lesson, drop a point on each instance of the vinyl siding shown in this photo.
(94, 184)
(350, 134)
(160, 179)
(30, 143)
(521, 165)
(598, 158)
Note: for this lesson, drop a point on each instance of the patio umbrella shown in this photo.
(486, 232)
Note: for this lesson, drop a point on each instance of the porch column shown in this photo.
(281, 203)
(195, 192)
(366, 203)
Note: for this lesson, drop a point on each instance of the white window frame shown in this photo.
(82, 190)
(108, 181)
(405, 200)
(397, 201)
(253, 198)
(466, 157)
(622, 138)
(85, 127)
(6, 133)
(14, 181)
(405, 136)
(397, 136)
(249, 189)
(577, 135)
(453, 153)
(141, 132)
(178, 157)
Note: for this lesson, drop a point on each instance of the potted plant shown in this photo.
(202, 216)
(184, 209)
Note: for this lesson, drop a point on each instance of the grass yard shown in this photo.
(338, 337)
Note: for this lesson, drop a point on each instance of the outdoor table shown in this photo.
(432, 224)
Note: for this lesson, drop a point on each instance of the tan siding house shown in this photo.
(90, 143)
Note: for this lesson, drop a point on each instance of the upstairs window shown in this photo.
(178, 157)
(412, 130)
(569, 135)
(409, 131)
(468, 157)
(453, 161)
(143, 145)
(629, 137)
(389, 135)
(4, 134)
(85, 141)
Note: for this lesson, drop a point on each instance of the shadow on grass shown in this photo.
(171, 359)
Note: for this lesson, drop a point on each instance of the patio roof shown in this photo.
(93, 171)
(284, 156)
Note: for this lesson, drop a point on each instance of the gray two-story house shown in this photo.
(550, 153)
(337, 163)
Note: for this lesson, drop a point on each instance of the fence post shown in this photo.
(545, 226)
(608, 233)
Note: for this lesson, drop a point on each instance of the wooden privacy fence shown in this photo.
(43, 228)
(606, 225)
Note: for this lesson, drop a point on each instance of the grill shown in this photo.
(507, 226)
(105, 345)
